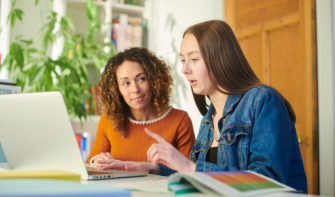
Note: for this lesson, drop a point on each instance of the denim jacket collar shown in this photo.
(231, 102)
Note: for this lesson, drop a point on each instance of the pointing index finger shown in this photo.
(155, 136)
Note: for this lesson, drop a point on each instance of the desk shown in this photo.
(115, 182)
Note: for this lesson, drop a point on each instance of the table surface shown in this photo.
(117, 181)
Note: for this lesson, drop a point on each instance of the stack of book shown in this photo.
(7, 87)
(93, 105)
(129, 31)
(84, 143)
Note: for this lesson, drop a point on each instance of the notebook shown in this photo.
(36, 134)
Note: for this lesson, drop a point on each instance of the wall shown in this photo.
(167, 22)
(325, 22)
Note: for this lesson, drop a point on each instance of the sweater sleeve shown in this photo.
(101, 143)
(185, 136)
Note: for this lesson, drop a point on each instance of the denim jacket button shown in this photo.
(228, 136)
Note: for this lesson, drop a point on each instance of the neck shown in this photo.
(148, 113)
(219, 100)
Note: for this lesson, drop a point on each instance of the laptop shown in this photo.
(36, 134)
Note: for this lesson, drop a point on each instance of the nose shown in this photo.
(186, 69)
(135, 88)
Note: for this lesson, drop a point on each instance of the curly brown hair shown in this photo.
(158, 73)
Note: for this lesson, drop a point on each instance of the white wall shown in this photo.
(325, 22)
(167, 22)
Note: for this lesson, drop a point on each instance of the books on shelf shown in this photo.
(129, 31)
(226, 183)
(93, 105)
(84, 143)
(7, 87)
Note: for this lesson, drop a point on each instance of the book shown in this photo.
(60, 188)
(9, 88)
(78, 138)
(83, 147)
(225, 183)
(40, 174)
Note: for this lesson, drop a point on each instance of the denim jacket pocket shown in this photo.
(195, 152)
(229, 136)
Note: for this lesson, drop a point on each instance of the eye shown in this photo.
(183, 61)
(125, 83)
(194, 60)
(141, 79)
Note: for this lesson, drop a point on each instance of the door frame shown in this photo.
(325, 30)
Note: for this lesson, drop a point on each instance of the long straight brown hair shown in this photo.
(226, 64)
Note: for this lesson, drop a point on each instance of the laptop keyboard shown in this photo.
(95, 173)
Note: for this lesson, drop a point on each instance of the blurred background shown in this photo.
(63, 45)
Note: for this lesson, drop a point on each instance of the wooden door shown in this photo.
(278, 39)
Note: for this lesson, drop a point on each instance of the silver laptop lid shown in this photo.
(36, 133)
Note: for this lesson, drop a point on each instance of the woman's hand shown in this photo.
(102, 157)
(166, 154)
(129, 166)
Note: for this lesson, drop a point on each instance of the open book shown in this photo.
(225, 183)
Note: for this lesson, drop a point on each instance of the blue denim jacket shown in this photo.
(257, 134)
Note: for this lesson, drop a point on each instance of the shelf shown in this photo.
(90, 118)
(98, 3)
(116, 7)
(128, 9)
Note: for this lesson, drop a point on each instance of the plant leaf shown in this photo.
(36, 75)
(17, 53)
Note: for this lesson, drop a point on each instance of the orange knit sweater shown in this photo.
(176, 128)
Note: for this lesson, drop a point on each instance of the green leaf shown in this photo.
(36, 2)
(37, 75)
(17, 53)
(97, 62)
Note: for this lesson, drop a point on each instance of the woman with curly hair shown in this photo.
(135, 90)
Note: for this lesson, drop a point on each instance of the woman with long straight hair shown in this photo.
(247, 124)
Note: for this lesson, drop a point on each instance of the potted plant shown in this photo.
(34, 71)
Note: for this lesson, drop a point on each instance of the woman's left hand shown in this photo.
(166, 154)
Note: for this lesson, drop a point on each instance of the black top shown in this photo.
(212, 155)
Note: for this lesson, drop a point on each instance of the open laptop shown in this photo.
(36, 134)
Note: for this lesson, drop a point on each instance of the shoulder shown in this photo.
(261, 93)
(265, 97)
(178, 113)
(180, 116)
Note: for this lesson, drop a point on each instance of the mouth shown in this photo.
(137, 99)
(193, 82)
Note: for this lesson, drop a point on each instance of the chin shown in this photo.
(198, 91)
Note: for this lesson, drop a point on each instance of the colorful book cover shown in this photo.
(83, 147)
(228, 183)
(9, 89)
(136, 37)
(78, 138)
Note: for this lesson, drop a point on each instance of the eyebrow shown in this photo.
(135, 76)
(189, 53)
